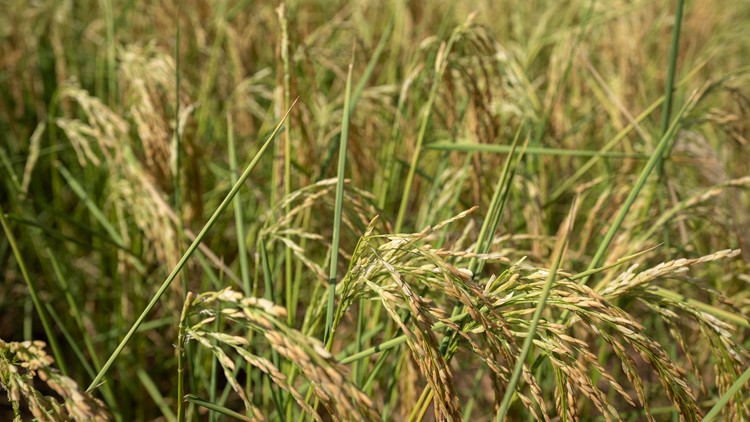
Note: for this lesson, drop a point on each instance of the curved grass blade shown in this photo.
(216, 408)
(189, 252)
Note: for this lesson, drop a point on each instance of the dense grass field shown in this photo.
(374, 210)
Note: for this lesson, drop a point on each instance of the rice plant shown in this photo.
(335, 210)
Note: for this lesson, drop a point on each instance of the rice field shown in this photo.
(360, 210)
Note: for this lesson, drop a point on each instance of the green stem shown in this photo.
(328, 337)
(33, 291)
(441, 62)
(669, 88)
(667, 109)
(181, 359)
